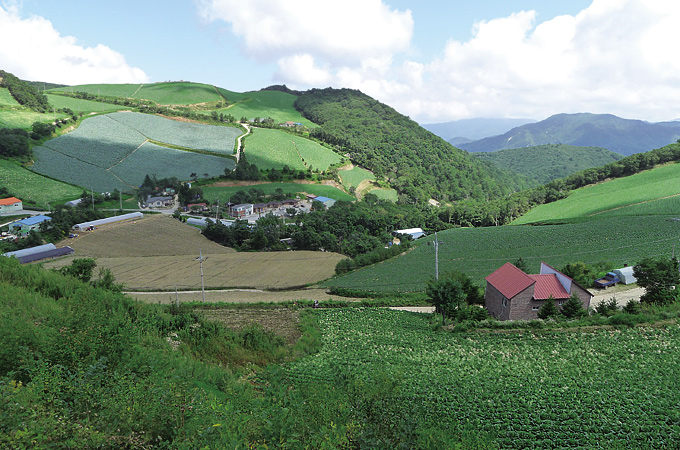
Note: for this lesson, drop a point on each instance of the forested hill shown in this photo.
(24, 93)
(623, 136)
(417, 163)
(544, 163)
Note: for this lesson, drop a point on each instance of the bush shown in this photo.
(607, 308)
(632, 307)
(573, 308)
(549, 309)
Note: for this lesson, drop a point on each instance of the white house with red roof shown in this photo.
(512, 294)
(11, 204)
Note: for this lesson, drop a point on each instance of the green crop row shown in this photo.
(480, 251)
(197, 136)
(618, 194)
(603, 389)
(272, 149)
(34, 188)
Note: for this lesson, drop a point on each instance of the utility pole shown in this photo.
(200, 260)
(435, 243)
(92, 191)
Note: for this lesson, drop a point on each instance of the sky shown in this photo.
(433, 60)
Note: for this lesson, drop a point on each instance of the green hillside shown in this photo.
(545, 163)
(417, 163)
(78, 105)
(275, 104)
(642, 193)
(271, 148)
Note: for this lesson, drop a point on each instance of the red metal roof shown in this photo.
(547, 285)
(510, 280)
(9, 201)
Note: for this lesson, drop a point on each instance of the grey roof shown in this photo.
(95, 223)
(63, 251)
(31, 251)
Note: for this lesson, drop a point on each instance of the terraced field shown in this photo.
(272, 149)
(355, 176)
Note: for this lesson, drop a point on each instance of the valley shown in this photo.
(276, 331)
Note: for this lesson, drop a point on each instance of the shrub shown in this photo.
(549, 309)
(632, 307)
(607, 308)
(573, 308)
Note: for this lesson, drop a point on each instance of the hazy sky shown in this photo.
(432, 60)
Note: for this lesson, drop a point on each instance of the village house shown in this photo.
(25, 226)
(242, 210)
(512, 294)
(158, 202)
(11, 204)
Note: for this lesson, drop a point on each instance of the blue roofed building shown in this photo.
(327, 202)
(24, 226)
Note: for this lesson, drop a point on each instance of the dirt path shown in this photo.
(236, 296)
(622, 295)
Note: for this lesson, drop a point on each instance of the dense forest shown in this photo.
(417, 163)
(544, 163)
(24, 93)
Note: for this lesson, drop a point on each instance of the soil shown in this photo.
(283, 322)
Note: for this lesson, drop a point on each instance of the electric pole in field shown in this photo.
(435, 243)
(200, 260)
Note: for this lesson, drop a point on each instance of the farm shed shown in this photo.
(11, 204)
(415, 233)
(512, 294)
(30, 251)
(47, 254)
(96, 223)
(327, 202)
(626, 275)
(24, 226)
(74, 203)
(202, 222)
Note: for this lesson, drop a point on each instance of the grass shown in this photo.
(24, 118)
(6, 99)
(108, 90)
(272, 149)
(178, 93)
(277, 105)
(480, 251)
(34, 188)
(385, 194)
(215, 192)
(78, 105)
(625, 195)
(354, 177)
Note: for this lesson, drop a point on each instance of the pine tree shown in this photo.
(549, 309)
(573, 308)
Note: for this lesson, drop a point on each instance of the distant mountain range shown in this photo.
(468, 130)
(619, 135)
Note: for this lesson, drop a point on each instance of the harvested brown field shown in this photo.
(154, 235)
(159, 253)
(282, 322)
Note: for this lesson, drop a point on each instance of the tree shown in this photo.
(445, 295)
(80, 268)
(549, 309)
(521, 265)
(573, 308)
(659, 277)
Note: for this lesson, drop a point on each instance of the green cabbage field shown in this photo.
(110, 152)
(601, 389)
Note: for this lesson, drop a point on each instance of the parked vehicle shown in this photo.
(611, 279)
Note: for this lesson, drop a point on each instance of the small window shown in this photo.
(560, 303)
(534, 308)
(505, 302)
